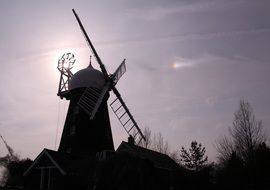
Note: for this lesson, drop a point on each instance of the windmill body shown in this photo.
(86, 158)
(87, 127)
(82, 136)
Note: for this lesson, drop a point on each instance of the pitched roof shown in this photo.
(63, 162)
(158, 159)
(54, 157)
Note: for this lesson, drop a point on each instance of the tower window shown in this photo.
(74, 119)
(76, 110)
(72, 131)
(68, 150)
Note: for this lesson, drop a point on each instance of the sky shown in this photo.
(189, 62)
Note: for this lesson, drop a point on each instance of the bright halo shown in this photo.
(178, 65)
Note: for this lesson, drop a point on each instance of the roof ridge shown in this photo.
(150, 150)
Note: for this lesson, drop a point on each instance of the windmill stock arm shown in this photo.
(111, 81)
(127, 110)
(102, 67)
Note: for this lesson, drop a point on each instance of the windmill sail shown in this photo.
(102, 67)
(91, 99)
(119, 71)
(126, 119)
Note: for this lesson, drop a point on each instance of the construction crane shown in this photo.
(11, 154)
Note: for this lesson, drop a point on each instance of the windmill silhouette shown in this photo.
(87, 128)
(86, 158)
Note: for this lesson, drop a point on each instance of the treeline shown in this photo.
(243, 160)
(243, 157)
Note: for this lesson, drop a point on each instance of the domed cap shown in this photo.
(88, 77)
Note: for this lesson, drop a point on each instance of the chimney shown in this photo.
(130, 140)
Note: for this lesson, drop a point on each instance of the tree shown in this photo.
(148, 141)
(195, 157)
(247, 132)
(155, 142)
(225, 149)
(175, 156)
(246, 135)
(159, 144)
(14, 173)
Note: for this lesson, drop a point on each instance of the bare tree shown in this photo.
(224, 148)
(175, 156)
(148, 138)
(247, 132)
(159, 144)
(246, 135)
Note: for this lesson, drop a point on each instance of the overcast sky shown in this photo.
(189, 62)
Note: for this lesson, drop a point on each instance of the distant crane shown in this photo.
(11, 155)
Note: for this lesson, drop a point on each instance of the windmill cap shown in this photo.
(88, 77)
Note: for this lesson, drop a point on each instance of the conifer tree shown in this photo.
(194, 158)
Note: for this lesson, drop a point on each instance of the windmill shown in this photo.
(88, 90)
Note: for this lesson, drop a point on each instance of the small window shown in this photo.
(76, 110)
(74, 118)
(72, 131)
(68, 150)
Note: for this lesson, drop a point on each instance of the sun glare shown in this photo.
(178, 65)
(175, 65)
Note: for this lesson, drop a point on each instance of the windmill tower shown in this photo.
(87, 128)
(87, 133)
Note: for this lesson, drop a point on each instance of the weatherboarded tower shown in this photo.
(83, 136)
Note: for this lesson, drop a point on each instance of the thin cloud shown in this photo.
(185, 37)
(161, 11)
